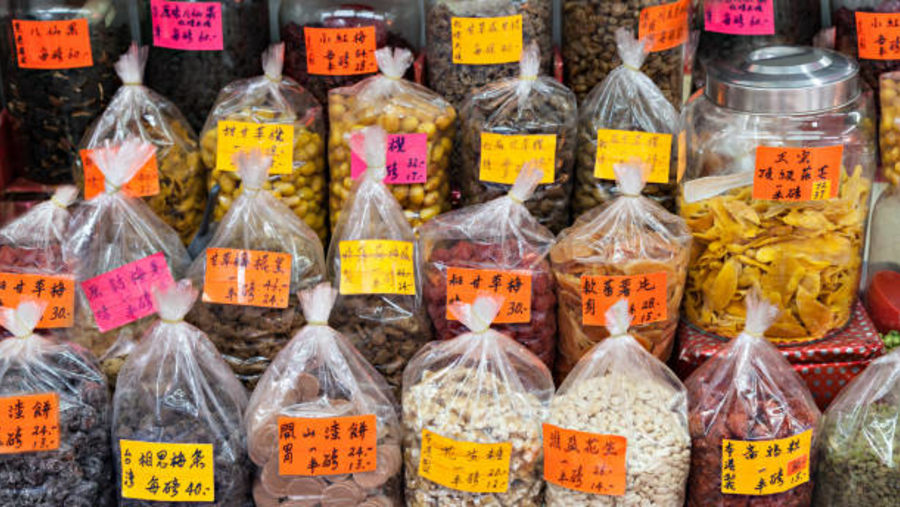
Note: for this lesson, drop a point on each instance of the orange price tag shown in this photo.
(326, 446)
(513, 285)
(340, 51)
(878, 35)
(646, 295)
(53, 44)
(667, 23)
(29, 423)
(586, 462)
(144, 184)
(57, 291)
(247, 278)
(797, 174)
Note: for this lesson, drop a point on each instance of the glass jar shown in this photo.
(875, 55)
(58, 75)
(189, 65)
(882, 296)
(781, 157)
(589, 44)
(323, 24)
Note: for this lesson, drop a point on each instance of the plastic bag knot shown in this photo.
(478, 316)
(64, 196)
(526, 182)
(630, 178)
(273, 62)
(370, 144)
(174, 302)
(393, 62)
(618, 319)
(317, 303)
(760, 315)
(22, 320)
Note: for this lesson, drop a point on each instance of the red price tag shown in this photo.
(247, 278)
(587, 462)
(326, 446)
(797, 174)
(514, 286)
(144, 184)
(878, 35)
(57, 291)
(53, 44)
(340, 51)
(667, 23)
(29, 423)
(646, 295)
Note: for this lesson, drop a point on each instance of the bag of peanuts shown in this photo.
(320, 384)
(123, 250)
(250, 271)
(627, 116)
(177, 401)
(512, 121)
(494, 248)
(420, 124)
(275, 114)
(374, 263)
(630, 247)
(753, 423)
(482, 396)
(173, 183)
(622, 399)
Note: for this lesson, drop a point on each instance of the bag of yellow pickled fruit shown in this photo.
(628, 248)
(275, 114)
(420, 126)
(889, 130)
(174, 179)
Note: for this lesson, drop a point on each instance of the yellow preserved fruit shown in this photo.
(890, 128)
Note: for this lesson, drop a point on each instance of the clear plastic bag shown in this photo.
(374, 263)
(33, 242)
(859, 463)
(401, 108)
(138, 111)
(174, 388)
(250, 333)
(527, 105)
(626, 101)
(110, 231)
(631, 236)
(618, 388)
(479, 242)
(79, 472)
(319, 375)
(749, 394)
(268, 102)
(482, 388)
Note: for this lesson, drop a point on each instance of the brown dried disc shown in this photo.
(262, 497)
(334, 479)
(288, 485)
(307, 387)
(388, 462)
(263, 442)
(344, 494)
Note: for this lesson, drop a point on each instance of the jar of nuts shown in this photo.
(889, 128)
(277, 115)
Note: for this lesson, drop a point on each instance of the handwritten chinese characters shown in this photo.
(667, 24)
(195, 26)
(125, 294)
(57, 291)
(646, 295)
(29, 423)
(623, 146)
(765, 467)
(247, 278)
(406, 162)
(502, 156)
(797, 174)
(167, 472)
(326, 446)
(878, 35)
(514, 286)
(274, 139)
(340, 51)
(145, 183)
(739, 17)
(374, 266)
(53, 44)
(465, 466)
(487, 41)
(586, 462)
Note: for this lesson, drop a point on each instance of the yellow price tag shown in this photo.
(487, 41)
(682, 156)
(502, 156)
(376, 266)
(465, 466)
(620, 146)
(274, 139)
(160, 471)
(765, 467)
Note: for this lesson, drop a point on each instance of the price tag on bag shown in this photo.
(514, 286)
(167, 472)
(125, 294)
(375, 266)
(247, 277)
(406, 160)
(586, 462)
(765, 467)
(273, 139)
(57, 291)
(188, 26)
(646, 295)
(144, 184)
(503, 156)
(327, 446)
(29, 423)
(667, 23)
(624, 146)
(486, 41)
(53, 45)
(340, 51)
(465, 466)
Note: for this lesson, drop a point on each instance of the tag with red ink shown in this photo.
(194, 26)
(406, 162)
(125, 294)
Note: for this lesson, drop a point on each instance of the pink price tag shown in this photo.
(740, 17)
(124, 295)
(193, 26)
(407, 160)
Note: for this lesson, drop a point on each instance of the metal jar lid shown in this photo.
(783, 79)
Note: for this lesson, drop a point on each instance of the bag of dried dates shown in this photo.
(320, 384)
(753, 423)
(374, 263)
(475, 403)
(495, 248)
(626, 116)
(630, 247)
(54, 411)
(180, 404)
(514, 120)
(250, 271)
